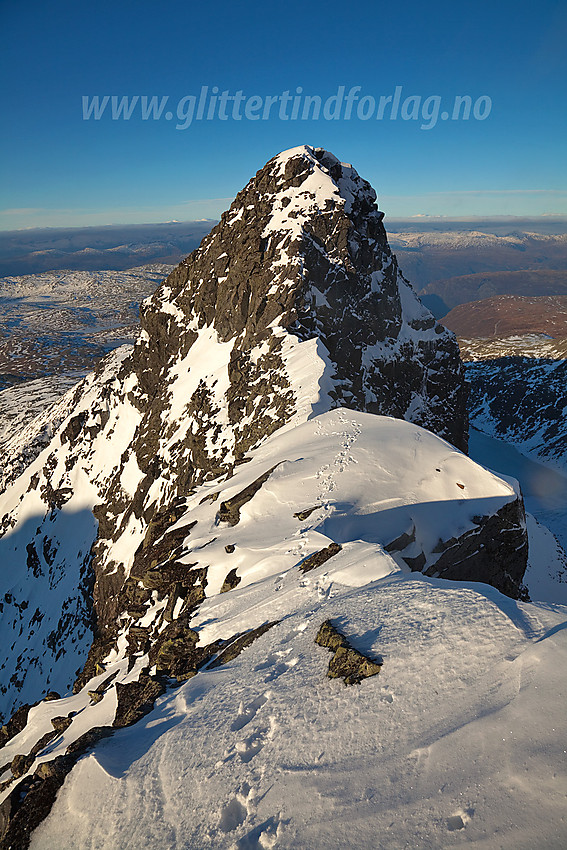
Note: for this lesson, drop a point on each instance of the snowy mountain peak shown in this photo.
(233, 445)
(290, 307)
(302, 252)
(324, 176)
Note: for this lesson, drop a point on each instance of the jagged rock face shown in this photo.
(303, 248)
(293, 305)
(517, 393)
(301, 255)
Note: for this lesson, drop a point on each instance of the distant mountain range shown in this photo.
(115, 247)
(450, 267)
(443, 295)
(428, 249)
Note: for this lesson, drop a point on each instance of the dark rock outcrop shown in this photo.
(15, 724)
(136, 699)
(347, 663)
(240, 643)
(494, 551)
(319, 558)
(231, 581)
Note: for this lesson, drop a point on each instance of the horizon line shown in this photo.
(415, 218)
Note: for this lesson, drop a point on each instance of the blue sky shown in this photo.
(59, 169)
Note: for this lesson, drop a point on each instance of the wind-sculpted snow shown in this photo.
(457, 738)
(386, 491)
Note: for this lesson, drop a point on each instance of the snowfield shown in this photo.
(460, 741)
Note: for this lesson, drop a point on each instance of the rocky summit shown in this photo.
(288, 404)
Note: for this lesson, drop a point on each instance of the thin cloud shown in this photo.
(22, 211)
(28, 217)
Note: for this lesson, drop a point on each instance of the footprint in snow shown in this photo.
(324, 587)
(237, 809)
(459, 820)
(280, 669)
(301, 626)
(251, 746)
(232, 815)
(262, 837)
(246, 713)
(275, 664)
(274, 657)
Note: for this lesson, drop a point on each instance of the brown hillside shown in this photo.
(475, 287)
(507, 315)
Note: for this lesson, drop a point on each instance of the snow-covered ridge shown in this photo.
(328, 180)
(358, 480)
(473, 238)
(518, 345)
(257, 750)
(458, 741)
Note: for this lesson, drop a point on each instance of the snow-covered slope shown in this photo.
(459, 741)
(47, 533)
(21, 404)
(517, 393)
(30, 413)
(243, 548)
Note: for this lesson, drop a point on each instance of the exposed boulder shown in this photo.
(319, 558)
(136, 699)
(347, 663)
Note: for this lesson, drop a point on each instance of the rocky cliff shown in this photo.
(517, 392)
